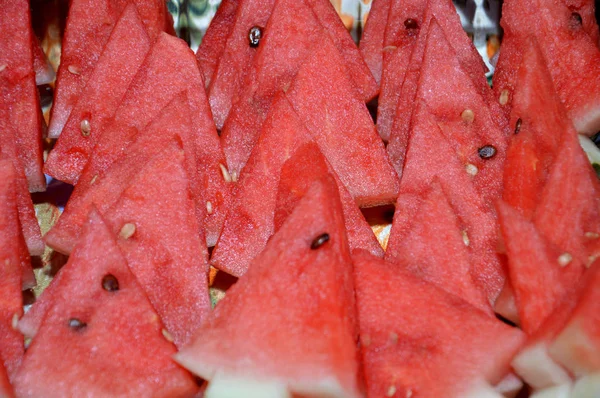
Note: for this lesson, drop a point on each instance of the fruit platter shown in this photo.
(299, 198)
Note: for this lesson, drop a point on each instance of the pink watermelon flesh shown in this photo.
(372, 40)
(412, 337)
(165, 252)
(539, 280)
(122, 56)
(169, 69)
(27, 217)
(577, 346)
(426, 239)
(12, 258)
(173, 121)
(44, 73)
(18, 92)
(326, 102)
(215, 39)
(6, 389)
(429, 156)
(277, 61)
(249, 223)
(297, 175)
(573, 57)
(115, 331)
(89, 26)
(304, 335)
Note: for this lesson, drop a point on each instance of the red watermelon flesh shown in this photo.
(289, 37)
(249, 223)
(587, 11)
(107, 84)
(44, 73)
(215, 39)
(173, 121)
(18, 92)
(371, 42)
(12, 258)
(537, 272)
(27, 217)
(413, 337)
(429, 156)
(89, 26)
(104, 332)
(169, 69)
(237, 56)
(427, 241)
(577, 346)
(506, 305)
(6, 390)
(162, 246)
(326, 102)
(298, 173)
(303, 336)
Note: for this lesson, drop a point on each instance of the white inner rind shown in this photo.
(535, 366)
(562, 391)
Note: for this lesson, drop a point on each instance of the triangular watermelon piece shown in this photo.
(18, 93)
(44, 73)
(326, 102)
(158, 233)
(412, 337)
(372, 40)
(27, 217)
(277, 60)
(539, 274)
(430, 156)
(13, 256)
(169, 68)
(101, 324)
(89, 25)
(303, 338)
(298, 173)
(100, 97)
(174, 121)
(411, 245)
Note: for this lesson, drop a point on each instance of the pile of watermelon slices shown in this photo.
(253, 159)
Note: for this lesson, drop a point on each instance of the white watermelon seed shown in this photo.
(468, 116)
(394, 338)
(365, 340)
(15, 321)
(2, 67)
(471, 169)
(127, 231)
(592, 235)
(234, 176)
(225, 172)
(391, 391)
(504, 97)
(408, 393)
(167, 335)
(94, 178)
(7, 262)
(389, 48)
(591, 260)
(86, 128)
(74, 69)
(565, 259)
(465, 237)
(209, 208)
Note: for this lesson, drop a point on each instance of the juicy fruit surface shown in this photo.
(100, 331)
(371, 43)
(309, 289)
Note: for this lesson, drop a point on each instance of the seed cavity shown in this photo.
(225, 173)
(465, 237)
(319, 241)
(209, 207)
(518, 125)
(487, 152)
(411, 24)
(576, 21)
(85, 127)
(471, 169)
(127, 231)
(565, 259)
(254, 36)
(110, 283)
(15, 321)
(504, 97)
(391, 391)
(74, 69)
(168, 336)
(76, 324)
(468, 116)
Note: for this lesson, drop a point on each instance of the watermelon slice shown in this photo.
(418, 222)
(298, 173)
(105, 88)
(44, 73)
(277, 61)
(169, 69)
(173, 272)
(302, 338)
(412, 337)
(18, 92)
(12, 258)
(173, 121)
(326, 102)
(100, 323)
(27, 217)
(538, 272)
(89, 25)
(371, 43)
(429, 156)
(573, 57)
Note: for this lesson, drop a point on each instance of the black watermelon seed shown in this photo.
(110, 283)
(254, 36)
(319, 241)
(487, 152)
(76, 324)
(518, 126)
(411, 24)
